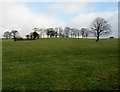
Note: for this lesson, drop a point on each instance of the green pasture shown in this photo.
(60, 64)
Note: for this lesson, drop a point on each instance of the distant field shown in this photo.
(60, 64)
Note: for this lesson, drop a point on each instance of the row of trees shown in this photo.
(13, 34)
(98, 27)
(58, 32)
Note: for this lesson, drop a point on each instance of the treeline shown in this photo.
(98, 27)
(50, 33)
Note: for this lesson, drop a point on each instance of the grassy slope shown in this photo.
(60, 64)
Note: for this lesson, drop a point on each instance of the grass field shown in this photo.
(60, 64)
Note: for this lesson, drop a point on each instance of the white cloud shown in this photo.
(18, 16)
(84, 20)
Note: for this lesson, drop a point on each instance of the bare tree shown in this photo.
(41, 31)
(31, 35)
(7, 34)
(27, 36)
(14, 34)
(66, 31)
(57, 31)
(86, 34)
(100, 26)
(83, 32)
(47, 32)
(60, 32)
(76, 32)
(35, 35)
(71, 32)
(51, 32)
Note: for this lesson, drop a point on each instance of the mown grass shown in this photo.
(60, 64)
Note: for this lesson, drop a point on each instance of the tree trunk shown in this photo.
(14, 38)
(97, 39)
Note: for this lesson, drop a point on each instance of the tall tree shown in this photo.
(14, 34)
(35, 35)
(7, 34)
(86, 34)
(71, 32)
(27, 36)
(55, 34)
(78, 33)
(31, 35)
(47, 33)
(42, 32)
(100, 26)
(66, 31)
(83, 32)
(60, 32)
(57, 31)
(51, 32)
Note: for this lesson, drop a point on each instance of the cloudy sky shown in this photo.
(24, 16)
